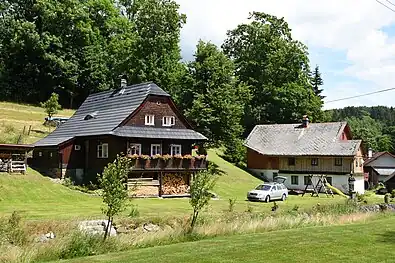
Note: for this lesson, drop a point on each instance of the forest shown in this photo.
(260, 74)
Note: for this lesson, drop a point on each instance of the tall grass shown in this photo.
(70, 244)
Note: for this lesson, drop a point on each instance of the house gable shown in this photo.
(159, 107)
(383, 160)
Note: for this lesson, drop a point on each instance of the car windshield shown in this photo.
(263, 187)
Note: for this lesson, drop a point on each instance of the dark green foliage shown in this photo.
(235, 152)
(276, 68)
(374, 125)
(212, 98)
(316, 81)
(387, 198)
(78, 47)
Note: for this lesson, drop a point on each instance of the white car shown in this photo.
(268, 192)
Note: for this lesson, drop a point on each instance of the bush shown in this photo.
(134, 212)
(12, 231)
(387, 198)
(232, 202)
(348, 207)
(393, 193)
(235, 152)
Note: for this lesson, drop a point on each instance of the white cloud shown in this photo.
(352, 27)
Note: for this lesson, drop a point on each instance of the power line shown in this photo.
(390, 2)
(362, 95)
(386, 5)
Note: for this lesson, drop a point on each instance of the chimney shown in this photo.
(305, 121)
(124, 83)
(370, 153)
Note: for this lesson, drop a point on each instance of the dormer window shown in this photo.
(91, 116)
(168, 121)
(149, 120)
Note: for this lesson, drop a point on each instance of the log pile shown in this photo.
(175, 184)
(145, 191)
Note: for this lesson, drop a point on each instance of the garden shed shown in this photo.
(13, 157)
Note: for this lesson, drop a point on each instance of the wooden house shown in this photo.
(380, 167)
(140, 121)
(298, 150)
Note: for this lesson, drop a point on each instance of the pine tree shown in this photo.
(316, 82)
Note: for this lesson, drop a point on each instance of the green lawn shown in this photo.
(39, 198)
(373, 241)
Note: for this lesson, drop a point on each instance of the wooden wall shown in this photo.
(160, 107)
(256, 160)
(325, 164)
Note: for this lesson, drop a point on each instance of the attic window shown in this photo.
(92, 115)
(121, 91)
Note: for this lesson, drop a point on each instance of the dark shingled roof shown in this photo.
(102, 112)
(318, 139)
(160, 133)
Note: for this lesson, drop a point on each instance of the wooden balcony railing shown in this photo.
(168, 162)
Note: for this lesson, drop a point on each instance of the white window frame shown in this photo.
(77, 147)
(156, 152)
(50, 155)
(40, 154)
(168, 121)
(173, 146)
(102, 151)
(150, 119)
(136, 145)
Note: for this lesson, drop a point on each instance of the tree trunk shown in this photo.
(107, 228)
(194, 217)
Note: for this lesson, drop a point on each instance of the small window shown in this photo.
(135, 148)
(77, 147)
(175, 149)
(149, 120)
(314, 161)
(291, 161)
(40, 154)
(307, 180)
(168, 121)
(294, 179)
(338, 161)
(329, 180)
(50, 155)
(102, 150)
(156, 149)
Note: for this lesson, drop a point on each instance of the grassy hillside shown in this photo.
(14, 117)
(38, 197)
(372, 241)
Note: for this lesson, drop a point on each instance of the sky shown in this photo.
(352, 41)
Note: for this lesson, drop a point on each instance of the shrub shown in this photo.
(52, 105)
(235, 152)
(393, 193)
(12, 231)
(232, 202)
(133, 212)
(387, 198)
(347, 207)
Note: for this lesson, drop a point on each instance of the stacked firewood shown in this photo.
(174, 184)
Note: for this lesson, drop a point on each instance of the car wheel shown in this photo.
(267, 199)
(283, 197)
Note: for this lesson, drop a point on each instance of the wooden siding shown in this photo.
(186, 146)
(325, 164)
(159, 107)
(256, 160)
(45, 160)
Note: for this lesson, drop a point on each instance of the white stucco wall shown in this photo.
(338, 181)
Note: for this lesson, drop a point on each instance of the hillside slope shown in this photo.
(14, 117)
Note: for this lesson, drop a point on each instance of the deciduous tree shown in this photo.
(115, 193)
(52, 105)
